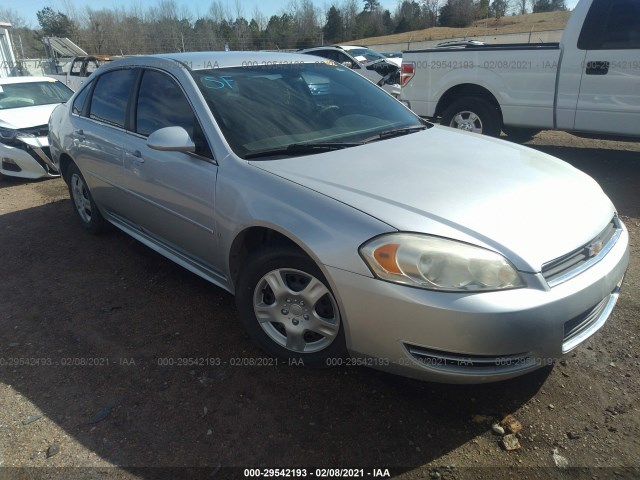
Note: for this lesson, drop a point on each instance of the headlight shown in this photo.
(437, 263)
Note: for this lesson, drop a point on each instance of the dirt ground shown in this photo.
(99, 336)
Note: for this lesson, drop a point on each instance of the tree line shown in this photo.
(168, 27)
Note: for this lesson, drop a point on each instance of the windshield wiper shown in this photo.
(300, 149)
(396, 132)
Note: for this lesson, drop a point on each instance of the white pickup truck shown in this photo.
(589, 82)
(77, 70)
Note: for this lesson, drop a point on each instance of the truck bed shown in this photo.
(492, 47)
(519, 77)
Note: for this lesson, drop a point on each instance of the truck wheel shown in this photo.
(518, 134)
(473, 114)
(288, 309)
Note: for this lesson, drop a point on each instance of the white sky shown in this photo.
(28, 8)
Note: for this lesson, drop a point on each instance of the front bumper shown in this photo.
(27, 158)
(476, 337)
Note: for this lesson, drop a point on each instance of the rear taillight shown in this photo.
(407, 71)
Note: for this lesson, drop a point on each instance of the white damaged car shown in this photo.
(25, 106)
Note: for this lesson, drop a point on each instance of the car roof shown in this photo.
(13, 80)
(326, 47)
(213, 59)
(351, 47)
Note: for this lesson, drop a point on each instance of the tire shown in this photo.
(473, 114)
(518, 134)
(86, 210)
(299, 316)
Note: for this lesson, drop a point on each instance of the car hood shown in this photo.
(527, 205)
(25, 117)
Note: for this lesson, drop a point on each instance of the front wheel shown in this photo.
(473, 114)
(287, 308)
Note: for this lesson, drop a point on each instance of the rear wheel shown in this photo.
(288, 309)
(84, 206)
(473, 114)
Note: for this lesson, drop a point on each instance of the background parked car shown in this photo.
(25, 106)
(383, 71)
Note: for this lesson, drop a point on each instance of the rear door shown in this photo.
(171, 194)
(609, 99)
(99, 117)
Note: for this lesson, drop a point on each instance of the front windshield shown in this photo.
(278, 106)
(30, 94)
(366, 53)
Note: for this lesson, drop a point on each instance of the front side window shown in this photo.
(111, 95)
(161, 103)
(611, 25)
(321, 104)
(29, 94)
(92, 66)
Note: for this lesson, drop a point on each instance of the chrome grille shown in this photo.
(569, 265)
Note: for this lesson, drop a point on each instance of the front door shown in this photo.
(609, 99)
(171, 193)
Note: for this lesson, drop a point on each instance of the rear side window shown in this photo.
(110, 97)
(611, 25)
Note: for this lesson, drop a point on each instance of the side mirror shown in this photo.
(348, 64)
(171, 139)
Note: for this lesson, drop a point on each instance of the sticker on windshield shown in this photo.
(217, 83)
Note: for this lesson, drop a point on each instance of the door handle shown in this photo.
(137, 157)
(597, 67)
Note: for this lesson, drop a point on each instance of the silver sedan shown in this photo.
(342, 222)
